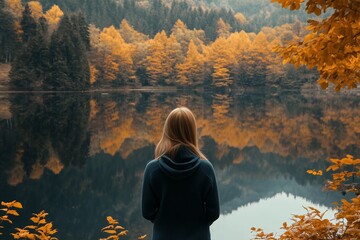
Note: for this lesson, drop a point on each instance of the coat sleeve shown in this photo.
(212, 202)
(149, 203)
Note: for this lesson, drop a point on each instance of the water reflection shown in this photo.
(81, 156)
(268, 213)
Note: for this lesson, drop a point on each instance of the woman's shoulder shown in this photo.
(151, 168)
(152, 164)
(206, 165)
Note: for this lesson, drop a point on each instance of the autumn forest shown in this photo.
(57, 51)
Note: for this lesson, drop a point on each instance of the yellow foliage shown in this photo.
(168, 59)
(8, 208)
(313, 225)
(54, 15)
(221, 57)
(332, 46)
(42, 230)
(240, 18)
(315, 172)
(223, 28)
(36, 9)
(129, 34)
(15, 7)
(93, 74)
(118, 55)
(165, 54)
(114, 230)
(191, 71)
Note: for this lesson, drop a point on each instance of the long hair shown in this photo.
(179, 129)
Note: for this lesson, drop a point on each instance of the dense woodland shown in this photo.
(57, 51)
(153, 16)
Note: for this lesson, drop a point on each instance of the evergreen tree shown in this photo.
(28, 24)
(69, 66)
(40, 51)
(82, 27)
(22, 75)
(31, 65)
(7, 34)
(58, 78)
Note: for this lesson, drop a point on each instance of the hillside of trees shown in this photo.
(123, 56)
(153, 16)
(150, 17)
(56, 51)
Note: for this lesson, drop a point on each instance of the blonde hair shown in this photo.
(179, 129)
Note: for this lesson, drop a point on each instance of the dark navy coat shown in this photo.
(180, 197)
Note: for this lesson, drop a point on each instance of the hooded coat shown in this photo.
(180, 197)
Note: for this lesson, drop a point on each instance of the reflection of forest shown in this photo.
(287, 125)
(88, 152)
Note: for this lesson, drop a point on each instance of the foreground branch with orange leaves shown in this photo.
(43, 230)
(312, 224)
(332, 45)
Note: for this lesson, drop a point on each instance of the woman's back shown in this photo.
(182, 198)
(179, 193)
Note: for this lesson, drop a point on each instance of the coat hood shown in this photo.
(183, 165)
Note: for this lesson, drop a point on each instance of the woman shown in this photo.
(179, 193)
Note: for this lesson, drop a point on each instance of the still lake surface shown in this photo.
(81, 157)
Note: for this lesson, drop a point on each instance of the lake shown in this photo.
(81, 156)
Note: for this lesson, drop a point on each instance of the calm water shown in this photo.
(80, 157)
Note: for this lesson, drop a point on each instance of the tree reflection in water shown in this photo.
(81, 156)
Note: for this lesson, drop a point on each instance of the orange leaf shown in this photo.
(12, 212)
(35, 219)
(347, 161)
(18, 205)
(123, 233)
(142, 237)
(333, 168)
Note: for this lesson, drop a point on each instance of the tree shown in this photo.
(28, 24)
(240, 18)
(183, 35)
(223, 28)
(82, 27)
(59, 73)
(69, 66)
(22, 76)
(15, 7)
(116, 49)
(129, 34)
(30, 67)
(191, 72)
(7, 34)
(259, 59)
(36, 9)
(110, 68)
(53, 16)
(332, 45)
(174, 55)
(240, 45)
(221, 58)
(157, 58)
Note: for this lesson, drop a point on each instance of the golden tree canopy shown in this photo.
(36, 9)
(54, 14)
(15, 7)
(332, 45)
(240, 18)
